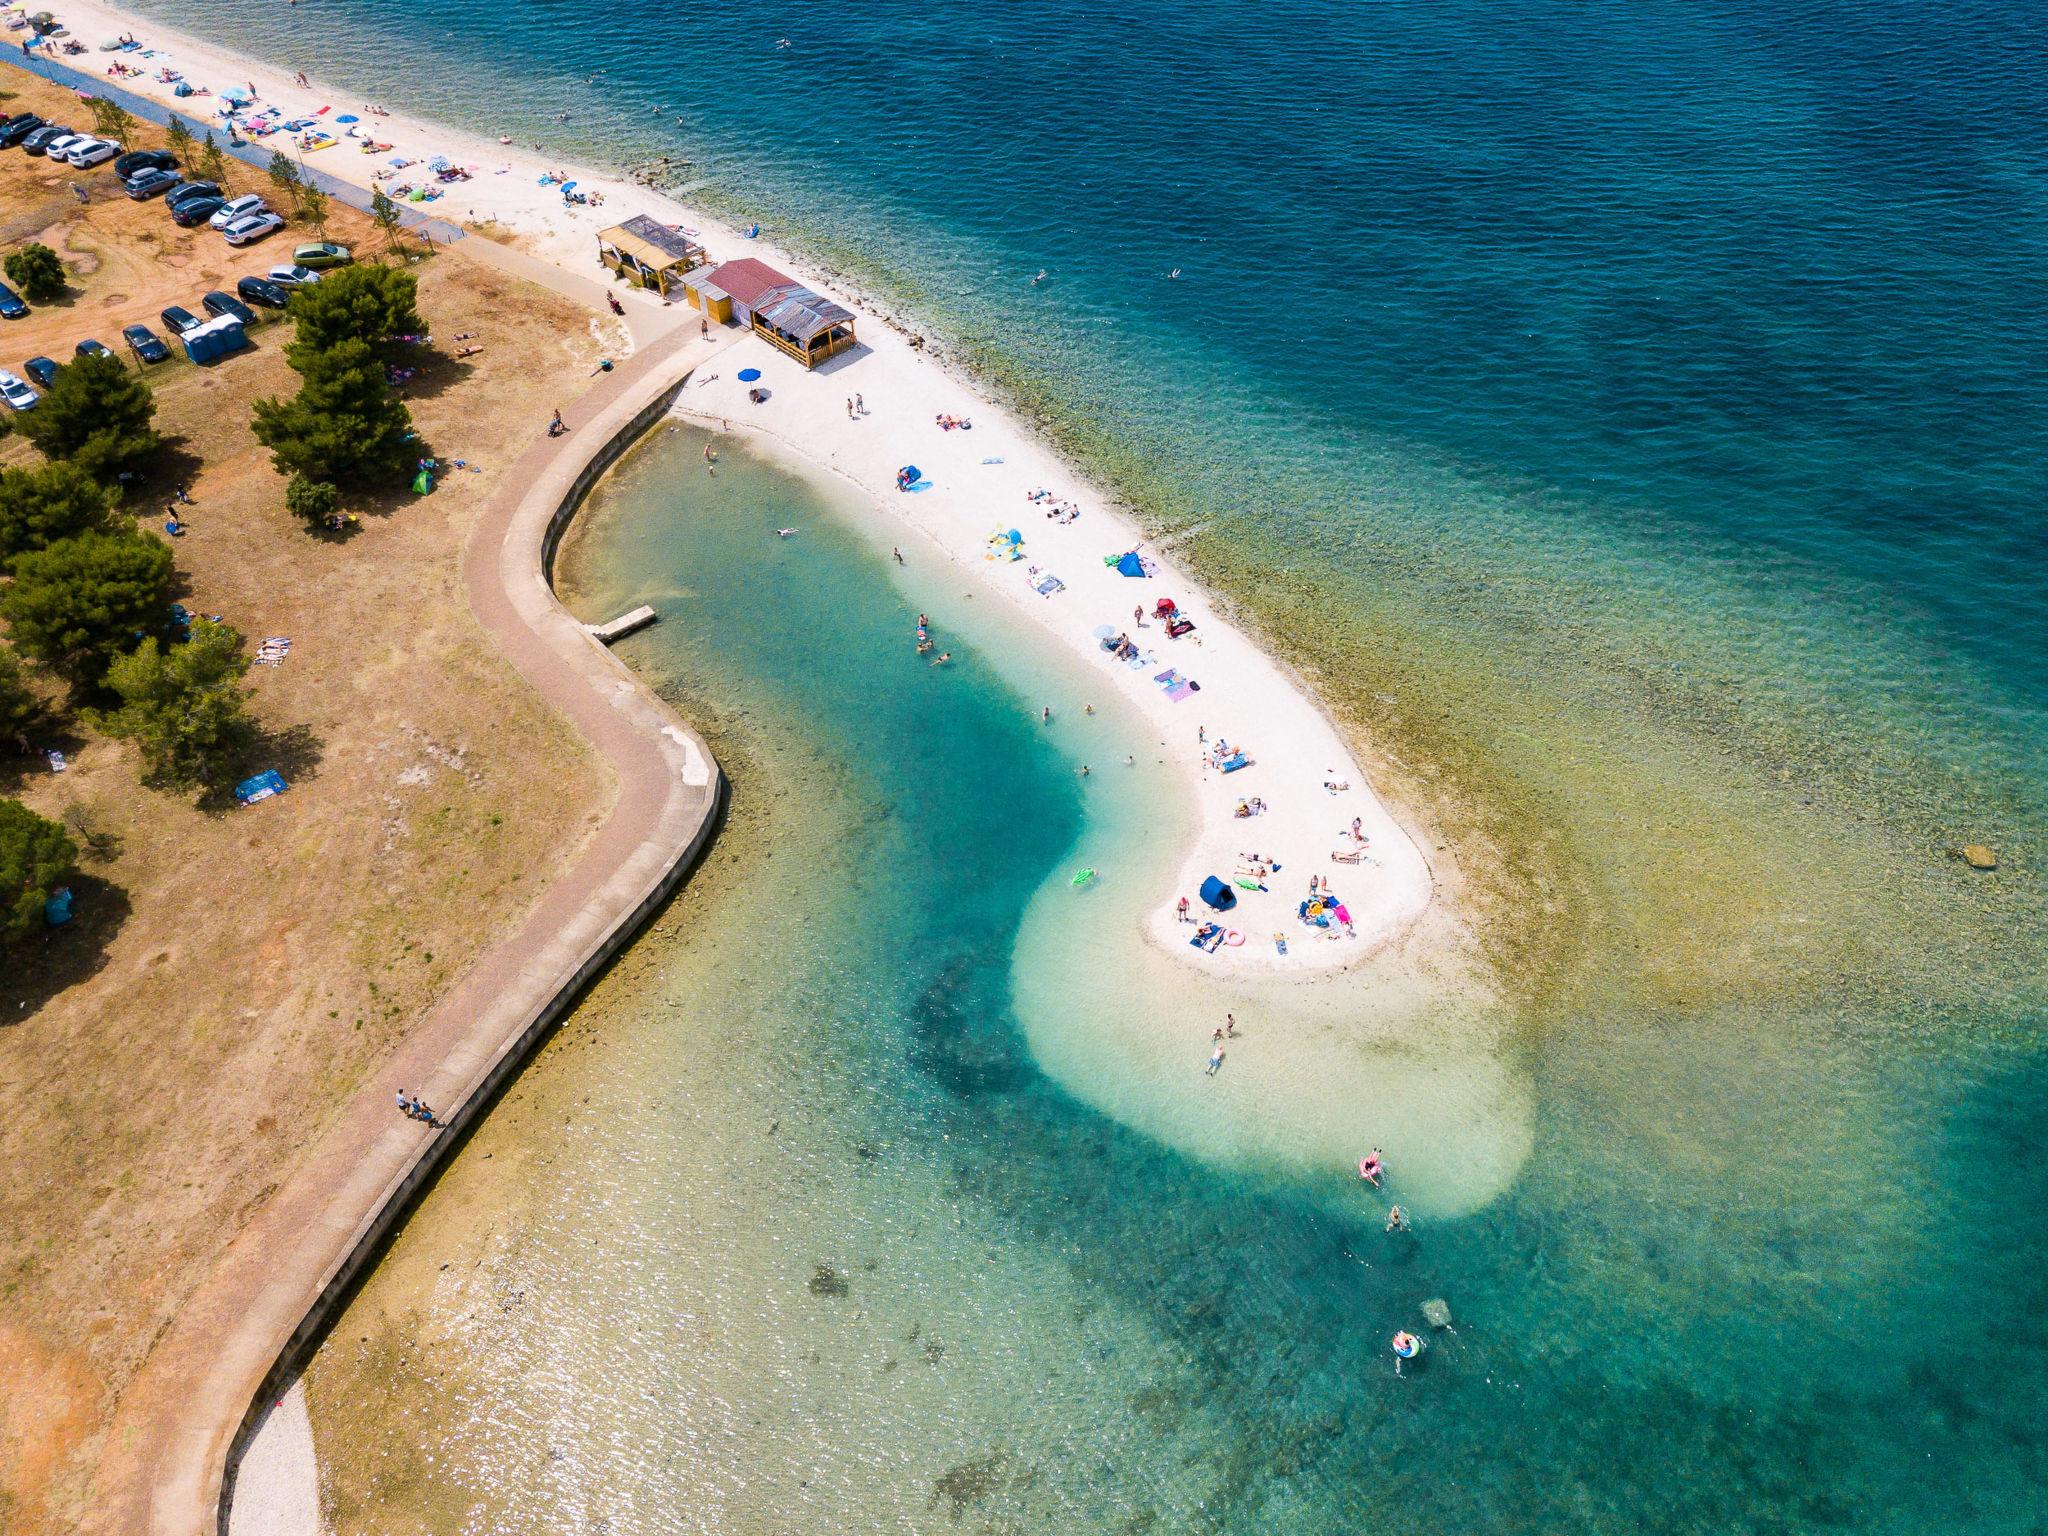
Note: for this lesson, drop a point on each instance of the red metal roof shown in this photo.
(749, 281)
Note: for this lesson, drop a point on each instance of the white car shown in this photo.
(292, 277)
(62, 145)
(98, 152)
(15, 391)
(252, 227)
(240, 208)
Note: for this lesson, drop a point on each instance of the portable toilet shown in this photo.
(215, 339)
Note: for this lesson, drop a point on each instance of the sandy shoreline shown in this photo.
(1244, 697)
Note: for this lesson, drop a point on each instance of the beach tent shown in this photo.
(1218, 894)
(1131, 565)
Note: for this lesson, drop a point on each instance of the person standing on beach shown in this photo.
(860, 406)
(849, 407)
(1182, 910)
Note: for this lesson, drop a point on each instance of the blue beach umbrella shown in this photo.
(748, 375)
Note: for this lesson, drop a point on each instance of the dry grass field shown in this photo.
(233, 973)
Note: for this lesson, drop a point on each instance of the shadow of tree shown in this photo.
(57, 959)
(292, 751)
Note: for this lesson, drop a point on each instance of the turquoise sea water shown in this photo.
(1633, 410)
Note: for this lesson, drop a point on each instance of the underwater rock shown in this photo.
(1977, 856)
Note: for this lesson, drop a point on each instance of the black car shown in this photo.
(195, 189)
(218, 303)
(146, 184)
(42, 369)
(91, 348)
(195, 210)
(138, 160)
(38, 139)
(19, 128)
(11, 307)
(146, 343)
(261, 290)
(180, 319)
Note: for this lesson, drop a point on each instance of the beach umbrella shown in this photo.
(748, 375)
(348, 117)
(1105, 632)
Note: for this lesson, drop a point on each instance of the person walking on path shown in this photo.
(860, 406)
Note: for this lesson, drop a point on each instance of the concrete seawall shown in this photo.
(252, 1322)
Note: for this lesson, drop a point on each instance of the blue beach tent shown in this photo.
(1218, 895)
(1131, 565)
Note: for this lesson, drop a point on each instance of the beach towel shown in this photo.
(1045, 586)
(1180, 691)
(261, 787)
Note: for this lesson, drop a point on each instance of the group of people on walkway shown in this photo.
(414, 1108)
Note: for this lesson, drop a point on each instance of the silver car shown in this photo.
(240, 208)
(252, 227)
(15, 391)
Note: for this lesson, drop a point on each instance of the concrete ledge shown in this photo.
(252, 1322)
(625, 624)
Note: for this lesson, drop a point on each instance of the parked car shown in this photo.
(39, 139)
(61, 146)
(11, 305)
(137, 161)
(218, 303)
(194, 210)
(261, 290)
(15, 391)
(14, 118)
(42, 369)
(98, 152)
(19, 128)
(146, 184)
(322, 253)
(195, 189)
(180, 320)
(145, 343)
(91, 348)
(292, 277)
(239, 208)
(250, 228)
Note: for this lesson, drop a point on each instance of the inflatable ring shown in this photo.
(1233, 937)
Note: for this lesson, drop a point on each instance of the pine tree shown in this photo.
(183, 706)
(344, 426)
(213, 162)
(40, 506)
(313, 205)
(180, 140)
(35, 856)
(111, 121)
(37, 271)
(97, 414)
(81, 602)
(284, 176)
(386, 213)
(20, 710)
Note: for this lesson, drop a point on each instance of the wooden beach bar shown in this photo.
(777, 308)
(648, 254)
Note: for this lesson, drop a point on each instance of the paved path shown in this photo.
(267, 1298)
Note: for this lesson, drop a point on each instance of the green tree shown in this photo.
(83, 601)
(313, 500)
(284, 177)
(386, 214)
(37, 272)
(97, 414)
(213, 161)
(20, 709)
(344, 426)
(40, 506)
(180, 138)
(367, 304)
(110, 120)
(184, 706)
(313, 205)
(35, 856)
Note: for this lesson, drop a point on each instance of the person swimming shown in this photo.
(1372, 1168)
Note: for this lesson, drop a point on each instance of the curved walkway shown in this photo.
(274, 1288)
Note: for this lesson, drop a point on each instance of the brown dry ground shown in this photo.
(233, 974)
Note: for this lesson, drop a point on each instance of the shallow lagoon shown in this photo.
(792, 1228)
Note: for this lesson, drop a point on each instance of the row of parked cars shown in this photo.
(147, 173)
